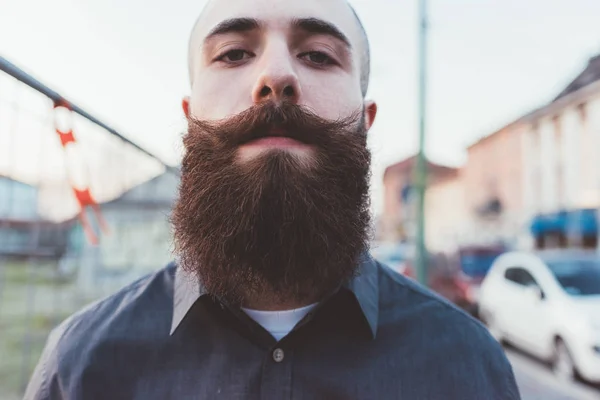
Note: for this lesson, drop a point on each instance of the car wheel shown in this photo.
(563, 365)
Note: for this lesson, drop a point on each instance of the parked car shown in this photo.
(470, 265)
(547, 304)
(455, 277)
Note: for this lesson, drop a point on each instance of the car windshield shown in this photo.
(578, 277)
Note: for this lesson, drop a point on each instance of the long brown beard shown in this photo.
(273, 229)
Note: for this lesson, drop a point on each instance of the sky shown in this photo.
(490, 61)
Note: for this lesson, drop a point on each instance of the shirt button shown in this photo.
(278, 355)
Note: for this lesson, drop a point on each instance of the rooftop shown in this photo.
(589, 75)
(407, 165)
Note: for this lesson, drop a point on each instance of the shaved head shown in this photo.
(363, 48)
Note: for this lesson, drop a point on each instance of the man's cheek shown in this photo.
(331, 103)
(210, 99)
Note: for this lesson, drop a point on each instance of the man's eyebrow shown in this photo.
(319, 26)
(233, 25)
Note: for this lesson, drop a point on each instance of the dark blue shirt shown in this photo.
(380, 337)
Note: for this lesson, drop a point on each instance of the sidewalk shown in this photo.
(536, 382)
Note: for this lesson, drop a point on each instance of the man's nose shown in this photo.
(277, 80)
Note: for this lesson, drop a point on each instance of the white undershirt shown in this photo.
(279, 323)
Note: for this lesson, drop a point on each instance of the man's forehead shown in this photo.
(276, 13)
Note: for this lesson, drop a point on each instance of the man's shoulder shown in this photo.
(133, 314)
(442, 336)
(403, 298)
(146, 301)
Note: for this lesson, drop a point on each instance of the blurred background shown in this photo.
(90, 128)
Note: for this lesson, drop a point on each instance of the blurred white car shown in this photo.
(547, 304)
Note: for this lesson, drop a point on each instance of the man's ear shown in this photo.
(185, 104)
(370, 113)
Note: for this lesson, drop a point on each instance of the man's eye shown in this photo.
(318, 58)
(234, 56)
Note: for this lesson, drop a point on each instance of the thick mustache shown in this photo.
(293, 121)
(269, 120)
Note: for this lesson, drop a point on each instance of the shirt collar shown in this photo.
(186, 291)
(365, 288)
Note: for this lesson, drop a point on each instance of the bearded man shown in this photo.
(273, 294)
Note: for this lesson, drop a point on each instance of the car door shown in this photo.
(513, 317)
(529, 323)
(535, 312)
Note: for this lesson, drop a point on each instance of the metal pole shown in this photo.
(421, 167)
(30, 81)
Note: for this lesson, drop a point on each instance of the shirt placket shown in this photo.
(276, 380)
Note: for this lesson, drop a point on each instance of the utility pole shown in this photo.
(421, 167)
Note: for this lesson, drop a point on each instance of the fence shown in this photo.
(83, 211)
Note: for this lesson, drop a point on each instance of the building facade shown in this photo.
(533, 183)
(138, 241)
(561, 157)
(397, 222)
(18, 201)
(446, 215)
(493, 184)
(23, 231)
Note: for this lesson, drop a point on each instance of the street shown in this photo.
(536, 381)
